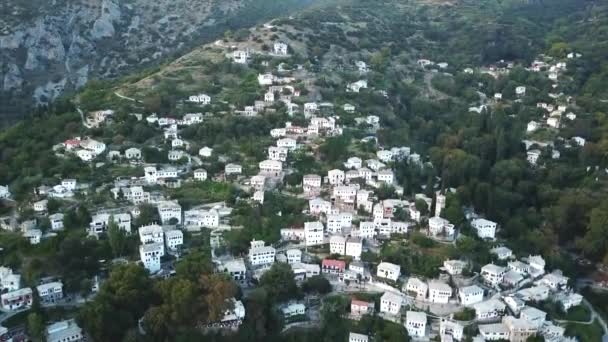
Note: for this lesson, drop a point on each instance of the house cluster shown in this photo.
(86, 149)
(15, 297)
(155, 239)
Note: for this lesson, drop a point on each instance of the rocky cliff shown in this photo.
(48, 47)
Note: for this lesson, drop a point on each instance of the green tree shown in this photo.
(316, 284)
(116, 237)
(279, 281)
(595, 242)
(120, 303)
(35, 326)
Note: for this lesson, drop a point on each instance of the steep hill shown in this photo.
(49, 47)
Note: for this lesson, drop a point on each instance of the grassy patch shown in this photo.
(578, 313)
(585, 332)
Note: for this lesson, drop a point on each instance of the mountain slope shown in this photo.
(49, 48)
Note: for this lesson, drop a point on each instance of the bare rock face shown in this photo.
(49, 47)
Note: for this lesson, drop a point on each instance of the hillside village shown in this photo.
(325, 189)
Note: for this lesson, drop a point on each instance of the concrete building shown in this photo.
(415, 323)
(388, 270)
(391, 303)
(313, 233)
(486, 229)
(150, 255)
(439, 292)
(416, 288)
(50, 292)
(261, 255)
(64, 331)
(470, 295)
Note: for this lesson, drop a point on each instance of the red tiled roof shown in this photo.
(358, 302)
(334, 263)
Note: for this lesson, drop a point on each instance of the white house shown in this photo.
(233, 169)
(454, 267)
(355, 87)
(271, 167)
(537, 265)
(555, 280)
(150, 255)
(200, 175)
(294, 256)
(385, 155)
(390, 303)
(450, 328)
(569, 300)
(354, 248)
(486, 229)
(337, 244)
(520, 91)
(258, 196)
(280, 48)
(64, 331)
(438, 225)
(4, 192)
(532, 156)
(293, 309)
(311, 182)
(354, 337)
(502, 252)
(439, 292)
(388, 270)
(289, 143)
(353, 163)
(17, 299)
(553, 121)
(415, 323)
(470, 295)
(261, 255)
(533, 315)
(205, 152)
(240, 56)
(518, 267)
(50, 292)
(203, 99)
(174, 238)
(152, 233)
(416, 288)
(168, 210)
(318, 206)
(532, 126)
(335, 177)
(336, 222)
(235, 268)
(349, 108)
(490, 309)
(493, 274)
(277, 153)
(313, 233)
(494, 332)
(40, 206)
(265, 79)
(201, 218)
(133, 153)
(258, 182)
(386, 176)
(56, 221)
(100, 222)
(9, 281)
(33, 235)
